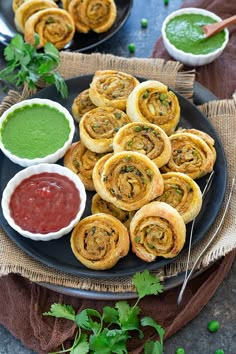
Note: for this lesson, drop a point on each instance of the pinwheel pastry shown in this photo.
(182, 193)
(207, 138)
(16, 4)
(99, 241)
(97, 175)
(190, 155)
(65, 4)
(157, 230)
(95, 15)
(151, 102)
(146, 138)
(99, 126)
(28, 8)
(82, 161)
(100, 205)
(81, 105)
(129, 180)
(52, 25)
(111, 88)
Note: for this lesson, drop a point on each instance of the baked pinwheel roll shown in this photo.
(65, 4)
(16, 4)
(100, 205)
(151, 102)
(53, 25)
(99, 126)
(82, 161)
(145, 138)
(157, 230)
(81, 105)
(99, 241)
(206, 137)
(129, 180)
(97, 175)
(111, 88)
(183, 194)
(190, 155)
(95, 15)
(28, 8)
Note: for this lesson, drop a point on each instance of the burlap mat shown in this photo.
(221, 114)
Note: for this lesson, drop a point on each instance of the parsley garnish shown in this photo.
(25, 65)
(109, 330)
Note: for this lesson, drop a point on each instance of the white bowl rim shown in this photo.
(34, 170)
(53, 157)
(195, 10)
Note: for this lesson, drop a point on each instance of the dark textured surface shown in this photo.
(195, 337)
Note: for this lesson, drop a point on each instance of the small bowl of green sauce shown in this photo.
(185, 40)
(36, 131)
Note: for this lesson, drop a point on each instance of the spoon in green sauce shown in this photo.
(213, 28)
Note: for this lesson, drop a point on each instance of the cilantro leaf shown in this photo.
(147, 284)
(153, 347)
(81, 346)
(61, 311)
(25, 65)
(109, 341)
(52, 51)
(84, 320)
(128, 317)
(148, 321)
(110, 315)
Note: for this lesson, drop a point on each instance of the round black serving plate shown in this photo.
(58, 254)
(80, 42)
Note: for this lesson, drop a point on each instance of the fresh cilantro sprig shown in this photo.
(26, 65)
(110, 330)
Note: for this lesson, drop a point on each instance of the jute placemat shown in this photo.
(221, 114)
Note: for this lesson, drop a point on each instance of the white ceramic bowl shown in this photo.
(51, 158)
(188, 58)
(34, 170)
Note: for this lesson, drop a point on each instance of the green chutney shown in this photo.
(185, 33)
(34, 131)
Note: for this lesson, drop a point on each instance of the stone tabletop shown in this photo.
(195, 337)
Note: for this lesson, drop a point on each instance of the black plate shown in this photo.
(58, 254)
(81, 42)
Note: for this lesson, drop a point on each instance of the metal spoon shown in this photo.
(206, 247)
(213, 28)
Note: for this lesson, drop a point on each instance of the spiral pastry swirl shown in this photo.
(82, 161)
(95, 15)
(99, 241)
(157, 230)
(52, 25)
(128, 180)
(145, 138)
(206, 137)
(111, 88)
(97, 175)
(16, 4)
(190, 155)
(183, 194)
(28, 8)
(81, 105)
(151, 102)
(100, 205)
(99, 126)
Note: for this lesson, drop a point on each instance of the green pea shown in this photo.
(144, 23)
(213, 326)
(180, 351)
(132, 47)
(163, 96)
(219, 351)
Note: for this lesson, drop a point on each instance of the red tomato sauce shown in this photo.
(44, 203)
